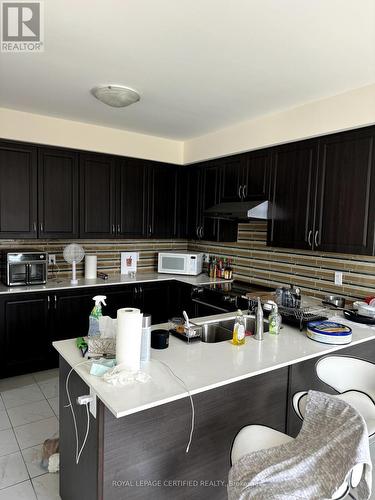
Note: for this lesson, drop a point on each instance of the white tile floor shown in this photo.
(28, 416)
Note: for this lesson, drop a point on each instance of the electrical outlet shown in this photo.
(338, 278)
(51, 259)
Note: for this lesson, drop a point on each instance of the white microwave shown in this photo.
(180, 263)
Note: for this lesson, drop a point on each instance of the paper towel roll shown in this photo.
(129, 337)
(90, 267)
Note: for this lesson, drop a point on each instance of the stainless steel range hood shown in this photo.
(242, 210)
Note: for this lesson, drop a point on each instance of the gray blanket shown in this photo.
(332, 440)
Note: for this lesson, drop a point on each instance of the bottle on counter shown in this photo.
(239, 329)
(146, 339)
(230, 269)
(226, 270)
(274, 320)
(95, 314)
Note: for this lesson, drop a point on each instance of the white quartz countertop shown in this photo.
(203, 366)
(117, 279)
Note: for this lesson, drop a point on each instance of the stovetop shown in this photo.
(236, 288)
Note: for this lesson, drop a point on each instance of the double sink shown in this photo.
(218, 331)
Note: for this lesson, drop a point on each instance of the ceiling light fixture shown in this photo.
(116, 96)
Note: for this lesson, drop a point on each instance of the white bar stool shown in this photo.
(353, 379)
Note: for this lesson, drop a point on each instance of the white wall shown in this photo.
(349, 110)
(42, 129)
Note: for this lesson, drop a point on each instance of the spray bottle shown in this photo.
(95, 314)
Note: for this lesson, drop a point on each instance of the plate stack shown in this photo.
(329, 332)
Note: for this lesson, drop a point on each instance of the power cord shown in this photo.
(191, 402)
(82, 400)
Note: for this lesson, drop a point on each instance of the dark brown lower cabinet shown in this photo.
(30, 322)
(25, 333)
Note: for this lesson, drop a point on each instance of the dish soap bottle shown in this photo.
(239, 329)
(95, 314)
(274, 320)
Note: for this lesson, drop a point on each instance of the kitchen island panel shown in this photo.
(150, 445)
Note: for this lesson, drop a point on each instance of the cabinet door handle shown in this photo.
(150, 230)
(34, 227)
(197, 231)
(41, 226)
(48, 302)
(239, 192)
(309, 238)
(118, 229)
(316, 238)
(244, 191)
(113, 229)
(55, 301)
(201, 232)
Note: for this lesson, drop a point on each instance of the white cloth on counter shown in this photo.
(120, 376)
(333, 439)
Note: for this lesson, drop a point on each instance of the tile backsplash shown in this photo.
(107, 251)
(253, 261)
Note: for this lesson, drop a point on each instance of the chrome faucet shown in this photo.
(259, 327)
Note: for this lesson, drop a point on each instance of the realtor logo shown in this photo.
(22, 26)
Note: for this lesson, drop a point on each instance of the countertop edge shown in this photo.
(51, 286)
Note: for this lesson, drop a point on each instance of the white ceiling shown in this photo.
(199, 65)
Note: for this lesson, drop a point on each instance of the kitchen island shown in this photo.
(137, 439)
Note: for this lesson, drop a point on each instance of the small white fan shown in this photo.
(73, 254)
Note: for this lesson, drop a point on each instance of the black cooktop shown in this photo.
(236, 288)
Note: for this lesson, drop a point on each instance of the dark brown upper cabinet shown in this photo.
(161, 200)
(346, 193)
(323, 195)
(58, 182)
(245, 176)
(97, 196)
(199, 190)
(293, 195)
(210, 186)
(256, 175)
(131, 198)
(232, 170)
(18, 190)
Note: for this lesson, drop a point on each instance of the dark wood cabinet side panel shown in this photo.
(82, 481)
(303, 377)
(150, 445)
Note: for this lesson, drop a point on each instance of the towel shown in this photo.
(333, 439)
